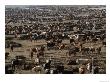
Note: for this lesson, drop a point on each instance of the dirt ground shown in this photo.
(53, 54)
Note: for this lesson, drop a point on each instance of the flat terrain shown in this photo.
(55, 55)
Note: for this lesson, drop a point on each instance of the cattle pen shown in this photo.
(55, 39)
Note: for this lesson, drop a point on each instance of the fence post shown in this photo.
(92, 65)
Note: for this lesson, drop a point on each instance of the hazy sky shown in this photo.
(23, 6)
(13, 6)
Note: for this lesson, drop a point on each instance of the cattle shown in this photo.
(19, 62)
(75, 70)
(11, 47)
(60, 68)
(73, 50)
(8, 69)
(96, 70)
(23, 37)
(53, 71)
(37, 61)
(42, 48)
(62, 46)
(12, 44)
(92, 49)
(6, 55)
(60, 29)
(99, 50)
(47, 65)
(82, 69)
(34, 50)
(89, 67)
(59, 41)
(72, 62)
(28, 66)
(31, 54)
(40, 53)
(35, 37)
(104, 43)
(72, 40)
(50, 45)
(85, 50)
(37, 69)
(95, 40)
(15, 63)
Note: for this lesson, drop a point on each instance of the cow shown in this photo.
(60, 68)
(11, 47)
(6, 55)
(8, 69)
(47, 65)
(72, 62)
(42, 48)
(89, 67)
(92, 50)
(31, 55)
(59, 41)
(75, 70)
(62, 46)
(53, 71)
(99, 50)
(18, 62)
(40, 53)
(104, 43)
(34, 50)
(37, 69)
(50, 45)
(15, 63)
(82, 69)
(95, 40)
(85, 50)
(96, 70)
(73, 50)
(71, 40)
(37, 61)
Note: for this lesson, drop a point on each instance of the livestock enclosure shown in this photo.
(55, 39)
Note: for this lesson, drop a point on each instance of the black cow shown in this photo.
(85, 50)
(19, 61)
(75, 70)
(96, 70)
(50, 45)
(104, 43)
(8, 69)
(94, 39)
(6, 55)
(60, 69)
(73, 50)
(92, 50)
(59, 41)
(99, 50)
(72, 40)
(72, 62)
(47, 65)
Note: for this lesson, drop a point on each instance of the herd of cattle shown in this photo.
(78, 41)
